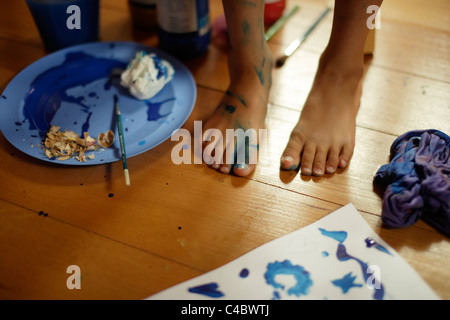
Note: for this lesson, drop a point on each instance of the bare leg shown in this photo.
(324, 137)
(244, 105)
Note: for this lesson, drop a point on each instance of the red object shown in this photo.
(273, 10)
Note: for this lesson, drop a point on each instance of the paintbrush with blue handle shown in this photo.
(122, 141)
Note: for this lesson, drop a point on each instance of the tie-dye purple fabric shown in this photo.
(417, 181)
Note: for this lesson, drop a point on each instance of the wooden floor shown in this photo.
(178, 222)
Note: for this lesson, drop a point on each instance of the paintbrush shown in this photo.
(280, 23)
(296, 43)
(122, 141)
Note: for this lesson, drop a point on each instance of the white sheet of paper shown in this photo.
(337, 257)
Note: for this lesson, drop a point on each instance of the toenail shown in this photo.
(306, 171)
(225, 169)
(215, 166)
(287, 158)
(343, 163)
(330, 169)
(318, 172)
(242, 166)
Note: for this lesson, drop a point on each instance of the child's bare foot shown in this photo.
(244, 106)
(324, 137)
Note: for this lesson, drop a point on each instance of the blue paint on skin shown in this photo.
(346, 283)
(209, 289)
(245, 27)
(230, 109)
(48, 90)
(287, 268)
(238, 97)
(260, 75)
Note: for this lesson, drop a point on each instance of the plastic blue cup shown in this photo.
(63, 23)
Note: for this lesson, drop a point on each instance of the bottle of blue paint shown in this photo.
(184, 29)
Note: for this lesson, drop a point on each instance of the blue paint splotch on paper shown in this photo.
(346, 283)
(209, 289)
(372, 243)
(336, 235)
(302, 277)
(244, 273)
(342, 255)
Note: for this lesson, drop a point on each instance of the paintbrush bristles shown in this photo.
(280, 61)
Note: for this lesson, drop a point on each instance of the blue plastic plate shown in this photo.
(74, 89)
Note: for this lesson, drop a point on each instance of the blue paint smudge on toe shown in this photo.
(209, 289)
(287, 268)
(346, 283)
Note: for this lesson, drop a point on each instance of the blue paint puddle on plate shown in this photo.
(49, 89)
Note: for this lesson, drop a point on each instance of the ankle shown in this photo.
(341, 67)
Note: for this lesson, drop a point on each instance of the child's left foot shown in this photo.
(324, 137)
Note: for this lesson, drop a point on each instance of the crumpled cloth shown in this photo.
(416, 182)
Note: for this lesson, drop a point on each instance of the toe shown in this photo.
(225, 168)
(307, 160)
(243, 170)
(291, 154)
(345, 156)
(333, 159)
(319, 161)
